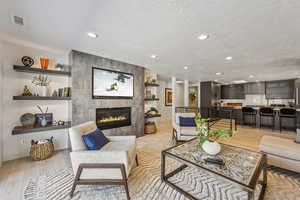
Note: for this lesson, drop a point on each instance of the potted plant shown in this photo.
(152, 111)
(208, 139)
(41, 82)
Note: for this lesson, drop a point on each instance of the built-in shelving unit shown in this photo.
(150, 99)
(151, 85)
(40, 98)
(23, 130)
(19, 68)
(152, 115)
(36, 128)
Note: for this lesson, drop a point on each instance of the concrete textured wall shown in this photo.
(84, 107)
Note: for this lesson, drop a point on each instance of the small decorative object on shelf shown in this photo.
(153, 96)
(43, 118)
(152, 111)
(61, 123)
(62, 67)
(26, 91)
(41, 82)
(27, 120)
(41, 150)
(27, 61)
(44, 63)
(150, 128)
(55, 93)
(208, 140)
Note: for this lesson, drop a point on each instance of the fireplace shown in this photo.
(107, 118)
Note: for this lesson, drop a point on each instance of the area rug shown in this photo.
(145, 182)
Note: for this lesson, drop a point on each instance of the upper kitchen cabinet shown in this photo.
(297, 93)
(284, 89)
(255, 88)
(234, 91)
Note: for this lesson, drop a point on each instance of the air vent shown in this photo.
(18, 20)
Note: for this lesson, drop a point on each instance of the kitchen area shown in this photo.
(273, 104)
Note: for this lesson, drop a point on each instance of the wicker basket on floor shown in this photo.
(41, 151)
(150, 128)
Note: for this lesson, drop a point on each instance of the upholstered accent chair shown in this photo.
(183, 133)
(110, 165)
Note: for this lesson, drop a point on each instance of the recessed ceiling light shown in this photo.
(92, 35)
(185, 67)
(153, 56)
(203, 37)
(219, 73)
(239, 81)
(228, 58)
(251, 76)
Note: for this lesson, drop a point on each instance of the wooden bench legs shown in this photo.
(79, 181)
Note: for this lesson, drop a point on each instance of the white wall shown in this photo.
(1, 102)
(165, 111)
(16, 146)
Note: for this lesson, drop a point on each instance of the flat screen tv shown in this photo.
(109, 84)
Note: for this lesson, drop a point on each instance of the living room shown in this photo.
(161, 100)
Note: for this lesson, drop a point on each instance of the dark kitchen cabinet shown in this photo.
(234, 91)
(210, 95)
(297, 93)
(284, 89)
(255, 88)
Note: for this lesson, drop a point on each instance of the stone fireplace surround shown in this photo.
(84, 107)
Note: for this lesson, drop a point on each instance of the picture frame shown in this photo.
(168, 96)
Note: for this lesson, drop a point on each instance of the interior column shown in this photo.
(173, 98)
(186, 93)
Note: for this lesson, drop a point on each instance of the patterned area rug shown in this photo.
(145, 182)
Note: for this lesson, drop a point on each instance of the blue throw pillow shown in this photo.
(95, 140)
(187, 121)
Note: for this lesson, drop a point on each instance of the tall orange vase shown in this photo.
(44, 63)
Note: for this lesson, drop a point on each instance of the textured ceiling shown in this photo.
(263, 37)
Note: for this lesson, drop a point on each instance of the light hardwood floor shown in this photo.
(15, 174)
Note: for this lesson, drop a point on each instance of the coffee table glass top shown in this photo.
(240, 164)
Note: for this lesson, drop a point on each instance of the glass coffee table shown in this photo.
(242, 167)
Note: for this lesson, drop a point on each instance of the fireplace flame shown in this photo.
(111, 119)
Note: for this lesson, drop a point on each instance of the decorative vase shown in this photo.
(43, 91)
(211, 148)
(43, 122)
(44, 63)
(27, 119)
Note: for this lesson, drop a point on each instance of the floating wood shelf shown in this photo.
(150, 99)
(23, 130)
(151, 85)
(147, 116)
(19, 68)
(40, 98)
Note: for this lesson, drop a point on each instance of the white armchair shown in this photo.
(183, 133)
(110, 165)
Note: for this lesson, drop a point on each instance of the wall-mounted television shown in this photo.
(109, 84)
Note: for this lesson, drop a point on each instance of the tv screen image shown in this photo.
(112, 84)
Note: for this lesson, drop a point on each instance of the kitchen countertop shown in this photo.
(257, 107)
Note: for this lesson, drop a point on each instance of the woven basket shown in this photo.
(41, 151)
(150, 128)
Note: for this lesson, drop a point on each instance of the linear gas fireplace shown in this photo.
(107, 118)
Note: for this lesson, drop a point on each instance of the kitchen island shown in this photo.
(238, 116)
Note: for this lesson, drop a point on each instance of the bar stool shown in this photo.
(266, 112)
(288, 113)
(248, 111)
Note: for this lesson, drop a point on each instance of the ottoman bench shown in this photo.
(282, 152)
